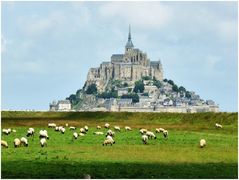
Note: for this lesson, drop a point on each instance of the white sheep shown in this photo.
(81, 134)
(72, 128)
(145, 139)
(98, 127)
(63, 130)
(98, 133)
(9, 130)
(110, 133)
(82, 130)
(75, 135)
(158, 130)
(24, 141)
(150, 134)
(165, 133)
(218, 125)
(5, 131)
(59, 128)
(17, 142)
(127, 128)
(4, 143)
(43, 142)
(43, 134)
(56, 128)
(86, 128)
(66, 124)
(107, 125)
(143, 131)
(108, 141)
(14, 131)
(202, 143)
(117, 128)
(51, 125)
(30, 132)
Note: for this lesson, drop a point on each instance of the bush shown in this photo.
(146, 77)
(92, 89)
(133, 96)
(139, 87)
(175, 88)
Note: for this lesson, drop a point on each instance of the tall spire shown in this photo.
(129, 44)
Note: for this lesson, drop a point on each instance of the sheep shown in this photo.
(86, 128)
(75, 135)
(145, 139)
(110, 133)
(202, 143)
(218, 125)
(72, 128)
(43, 142)
(107, 125)
(51, 125)
(108, 141)
(165, 133)
(63, 130)
(127, 128)
(59, 128)
(98, 133)
(24, 141)
(9, 130)
(4, 143)
(81, 134)
(158, 130)
(5, 131)
(109, 137)
(56, 128)
(17, 142)
(14, 131)
(98, 127)
(43, 134)
(150, 134)
(30, 132)
(66, 124)
(117, 128)
(143, 131)
(82, 130)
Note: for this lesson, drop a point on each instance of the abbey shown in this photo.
(128, 67)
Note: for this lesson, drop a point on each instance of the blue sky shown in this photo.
(48, 47)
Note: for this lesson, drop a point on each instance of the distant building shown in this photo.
(61, 105)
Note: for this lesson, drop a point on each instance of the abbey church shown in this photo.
(128, 67)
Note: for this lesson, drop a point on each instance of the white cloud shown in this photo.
(140, 14)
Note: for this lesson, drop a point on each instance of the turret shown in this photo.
(129, 45)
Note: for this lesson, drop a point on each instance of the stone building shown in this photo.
(61, 105)
(128, 67)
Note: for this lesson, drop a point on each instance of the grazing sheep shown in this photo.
(43, 134)
(51, 125)
(110, 133)
(117, 128)
(66, 124)
(218, 125)
(63, 130)
(143, 131)
(145, 139)
(98, 133)
(24, 141)
(72, 128)
(4, 144)
(75, 135)
(127, 128)
(165, 133)
(43, 142)
(86, 128)
(107, 125)
(59, 128)
(30, 132)
(56, 128)
(9, 130)
(150, 134)
(17, 142)
(202, 143)
(5, 131)
(158, 130)
(82, 130)
(108, 141)
(81, 134)
(98, 127)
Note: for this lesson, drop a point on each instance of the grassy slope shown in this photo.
(177, 157)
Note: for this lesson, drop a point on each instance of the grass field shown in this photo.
(177, 157)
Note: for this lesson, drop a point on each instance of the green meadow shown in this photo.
(178, 156)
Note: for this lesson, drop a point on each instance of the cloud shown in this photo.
(140, 14)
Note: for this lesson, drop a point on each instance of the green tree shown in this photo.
(125, 84)
(175, 88)
(171, 82)
(188, 94)
(146, 78)
(92, 89)
(157, 83)
(165, 80)
(139, 87)
(181, 89)
(133, 96)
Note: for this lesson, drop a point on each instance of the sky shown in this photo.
(47, 48)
